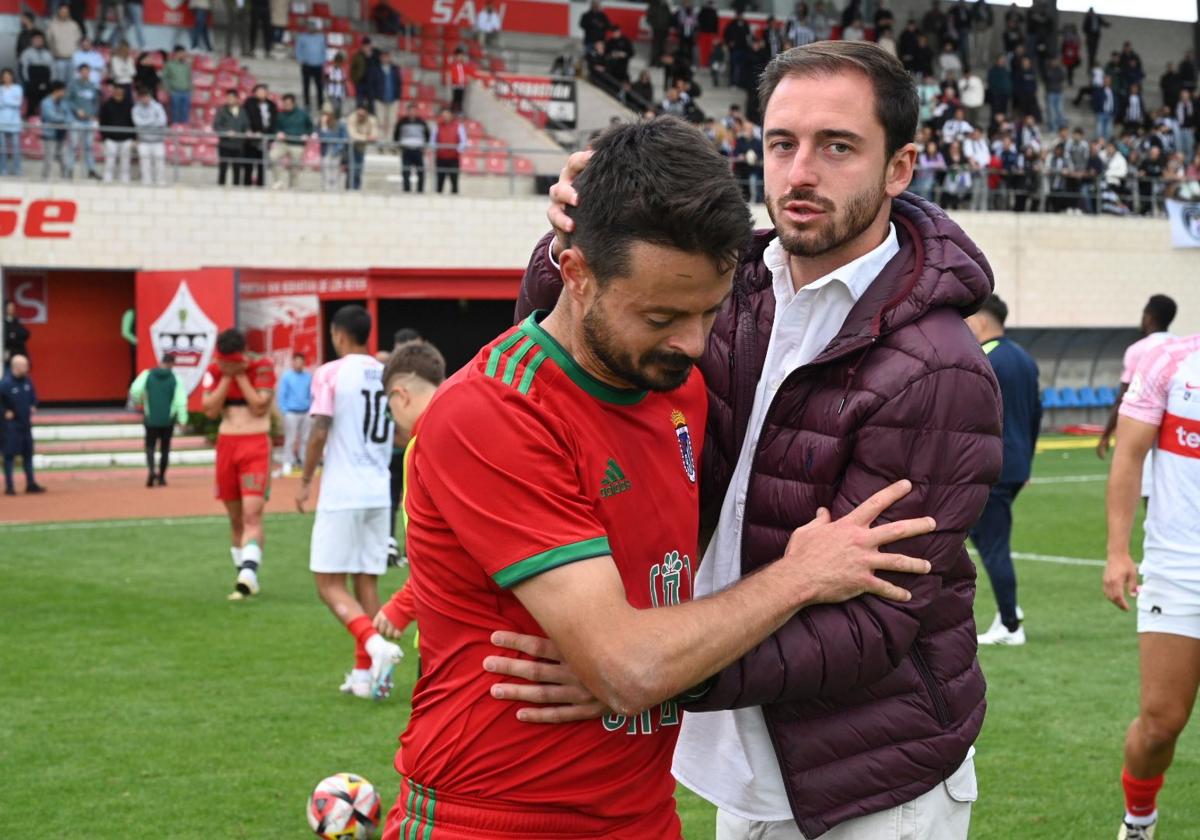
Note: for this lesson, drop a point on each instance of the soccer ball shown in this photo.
(344, 807)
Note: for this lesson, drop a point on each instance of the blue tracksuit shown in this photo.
(17, 396)
(1017, 373)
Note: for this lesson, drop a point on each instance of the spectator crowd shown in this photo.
(994, 132)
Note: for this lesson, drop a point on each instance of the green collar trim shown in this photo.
(601, 391)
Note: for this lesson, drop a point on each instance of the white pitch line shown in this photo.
(1048, 558)
(1070, 479)
(105, 524)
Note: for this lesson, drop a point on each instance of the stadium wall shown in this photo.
(1054, 270)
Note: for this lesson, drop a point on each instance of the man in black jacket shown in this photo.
(263, 117)
(737, 41)
(595, 24)
(116, 130)
(412, 133)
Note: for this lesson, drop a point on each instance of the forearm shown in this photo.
(316, 446)
(1111, 425)
(1124, 489)
(652, 655)
(214, 400)
(258, 401)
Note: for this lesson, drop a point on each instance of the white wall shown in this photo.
(1053, 270)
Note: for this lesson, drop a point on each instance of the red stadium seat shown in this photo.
(321, 10)
(226, 80)
(312, 155)
(523, 166)
(474, 50)
(497, 163)
(229, 64)
(154, 59)
(470, 163)
(426, 110)
(31, 144)
(202, 96)
(475, 129)
(342, 25)
(206, 155)
(203, 63)
(426, 92)
(431, 62)
(203, 79)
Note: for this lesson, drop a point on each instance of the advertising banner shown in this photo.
(553, 96)
(544, 17)
(182, 312)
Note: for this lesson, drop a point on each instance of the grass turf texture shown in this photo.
(136, 700)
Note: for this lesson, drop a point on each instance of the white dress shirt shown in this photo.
(726, 757)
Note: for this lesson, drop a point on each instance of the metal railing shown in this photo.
(193, 157)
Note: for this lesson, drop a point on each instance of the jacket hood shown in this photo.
(938, 266)
(160, 373)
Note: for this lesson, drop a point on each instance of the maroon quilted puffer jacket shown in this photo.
(870, 703)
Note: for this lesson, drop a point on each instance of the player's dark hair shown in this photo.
(405, 335)
(231, 341)
(1162, 310)
(661, 182)
(299, 356)
(995, 307)
(355, 321)
(416, 357)
(897, 105)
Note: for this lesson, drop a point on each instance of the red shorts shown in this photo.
(428, 815)
(243, 466)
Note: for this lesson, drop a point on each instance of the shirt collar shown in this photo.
(857, 275)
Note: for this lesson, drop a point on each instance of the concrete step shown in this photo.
(56, 417)
(70, 447)
(103, 460)
(91, 431)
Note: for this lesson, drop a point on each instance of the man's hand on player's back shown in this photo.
(825, 561)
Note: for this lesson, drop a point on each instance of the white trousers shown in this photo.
(295, 437)
(152, 161)
(117, 151)
(943, 813)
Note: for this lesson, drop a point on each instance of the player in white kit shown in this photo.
(1156, 320)
(1161, 409)
(352, 430)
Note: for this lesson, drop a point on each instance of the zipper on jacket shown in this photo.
(935, 693)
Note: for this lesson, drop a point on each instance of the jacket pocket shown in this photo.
(931, 687)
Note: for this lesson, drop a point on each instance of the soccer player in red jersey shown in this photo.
(411, 377)
(239, 389)
(552, 491)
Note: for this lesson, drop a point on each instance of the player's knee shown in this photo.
(1161, 727)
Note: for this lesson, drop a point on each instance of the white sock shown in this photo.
(1149, 820)
(360, 675)
(236, 554)
(251, 553)
(374, 643)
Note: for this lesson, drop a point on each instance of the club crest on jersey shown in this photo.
(684, 436)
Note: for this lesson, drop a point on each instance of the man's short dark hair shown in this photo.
(1162, 309)
(355, 321)
(232, 92)
(896, 103)
(231, 341)
(405, 335)
(416, 357)
(258, 87)
(288, 97)
(298, 355)
(996, 308)
(661, 182)
(57, 86)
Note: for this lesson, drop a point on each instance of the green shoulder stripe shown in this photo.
(531, 370)
(500, 349)
(510, 368)
(552, 559)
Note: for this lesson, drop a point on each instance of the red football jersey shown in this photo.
(525, 463)
(260, 372)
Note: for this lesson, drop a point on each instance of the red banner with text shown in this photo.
(182, 312)
(543, 17)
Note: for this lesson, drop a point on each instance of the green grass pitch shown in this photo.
(135, 701)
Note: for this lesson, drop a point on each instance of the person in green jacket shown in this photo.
(161, 394)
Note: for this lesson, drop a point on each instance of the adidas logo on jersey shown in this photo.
(614, 481)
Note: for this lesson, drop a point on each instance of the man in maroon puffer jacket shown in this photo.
(840, 364)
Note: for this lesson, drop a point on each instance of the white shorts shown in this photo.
(350, 542)
(1167, 607)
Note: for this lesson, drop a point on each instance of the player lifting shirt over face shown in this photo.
(239, 388)
(552, 490)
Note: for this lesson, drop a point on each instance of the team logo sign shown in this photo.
(185, 330)
(685, 444)
(1191, 220)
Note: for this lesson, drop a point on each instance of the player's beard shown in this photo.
(656, 370)
(836, 227)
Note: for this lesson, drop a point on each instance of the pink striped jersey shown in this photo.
(1137, 351)
(359, 448)
(1165, 392)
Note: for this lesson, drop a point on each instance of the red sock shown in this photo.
(1140, 794)
(361, 629)
(362, 659)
